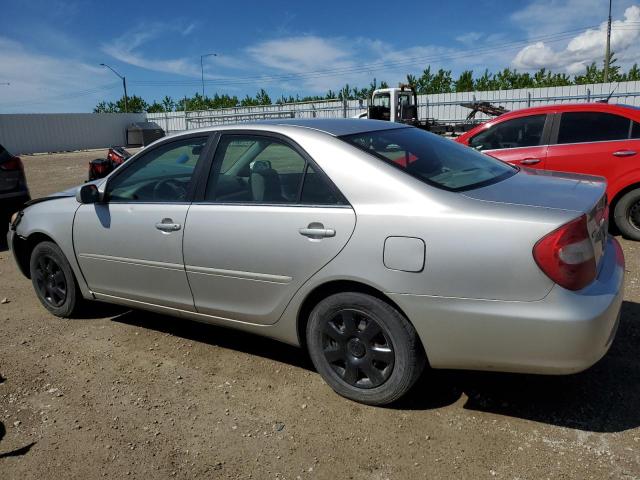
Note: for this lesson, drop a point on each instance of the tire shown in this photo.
(364, 348)
(54, 281)
(627, 214)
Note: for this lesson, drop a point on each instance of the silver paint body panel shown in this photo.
(247, 261)
(480, 301)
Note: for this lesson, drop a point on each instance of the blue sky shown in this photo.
(50, 50)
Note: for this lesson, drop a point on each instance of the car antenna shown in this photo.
(606, 100)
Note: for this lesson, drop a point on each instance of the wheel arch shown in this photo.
(616, 198)
(23, 247)
(322, 291)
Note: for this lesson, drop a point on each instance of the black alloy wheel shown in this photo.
(364, 348)
(54, 281)
(634, 215)
(50, 281)
(357, 349)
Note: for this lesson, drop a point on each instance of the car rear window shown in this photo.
(582, 127)
(435, 160)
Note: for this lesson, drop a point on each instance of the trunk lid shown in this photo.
(583, 194)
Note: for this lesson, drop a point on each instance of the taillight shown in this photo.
(566, 255)
(14, 163)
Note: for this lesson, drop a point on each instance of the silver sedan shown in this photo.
(379, 248)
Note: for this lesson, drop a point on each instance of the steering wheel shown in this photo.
(169, 189)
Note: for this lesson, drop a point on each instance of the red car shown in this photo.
(591, 138)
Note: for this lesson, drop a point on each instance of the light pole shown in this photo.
(607, 55)
(124, 84)
(202, 67)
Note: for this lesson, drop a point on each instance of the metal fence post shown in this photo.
(588, 95)
(528, 99)
(344, 107)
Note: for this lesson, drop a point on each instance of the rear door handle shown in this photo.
(624, 153)
(167, 225)
(529, 161)
(317, 231)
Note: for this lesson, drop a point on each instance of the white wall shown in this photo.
(58, 132)
(443, 107)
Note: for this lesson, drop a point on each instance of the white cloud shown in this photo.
(126, 49)
(586, 47)
(300, 54)
(46, 83)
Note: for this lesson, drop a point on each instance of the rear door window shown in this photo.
(265, 170)
(635, 130)
(516, 133)
(584, 127)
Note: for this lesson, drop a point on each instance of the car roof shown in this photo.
(332, 126)
(575, 107)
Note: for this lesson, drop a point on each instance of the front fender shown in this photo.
(52, 219)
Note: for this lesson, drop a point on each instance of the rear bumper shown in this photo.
(565, 332)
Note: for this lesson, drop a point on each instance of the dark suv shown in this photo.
(13, 186)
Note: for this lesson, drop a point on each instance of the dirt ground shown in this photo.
(130, 394)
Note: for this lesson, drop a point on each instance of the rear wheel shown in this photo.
(53, 280)
(627, 214)
(364, 348)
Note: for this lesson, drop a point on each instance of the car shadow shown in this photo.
(605, 398)
(4, 246)
(219, 336)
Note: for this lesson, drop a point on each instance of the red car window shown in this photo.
(519, 132)
(582, 127)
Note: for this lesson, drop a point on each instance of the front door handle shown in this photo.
(529, 161)
(624, 153)
(316, 231)
(167, 225)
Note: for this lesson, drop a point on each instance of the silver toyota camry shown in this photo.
(379, 248)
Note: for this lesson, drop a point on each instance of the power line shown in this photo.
(365, 67)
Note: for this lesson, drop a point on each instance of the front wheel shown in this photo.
(53, 280)
(627, 214)
(364, 348)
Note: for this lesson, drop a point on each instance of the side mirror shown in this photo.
(88, 194)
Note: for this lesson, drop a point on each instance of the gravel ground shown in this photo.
(130, 394)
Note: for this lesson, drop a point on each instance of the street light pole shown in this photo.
(607, 55)
(202, 67)
(124, 85)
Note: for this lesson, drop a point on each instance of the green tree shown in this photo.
(168, 104)
(465, 81)
(155, 107)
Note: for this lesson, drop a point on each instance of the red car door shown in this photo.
(594, 143)
(519, 140)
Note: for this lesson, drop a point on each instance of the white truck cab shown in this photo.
(399, 104)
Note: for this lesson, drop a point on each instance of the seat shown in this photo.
(264, 183)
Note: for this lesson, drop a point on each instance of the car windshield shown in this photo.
(438, 161)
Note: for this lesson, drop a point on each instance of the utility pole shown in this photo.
(202, 67)
(607, 54)
(124, 85)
